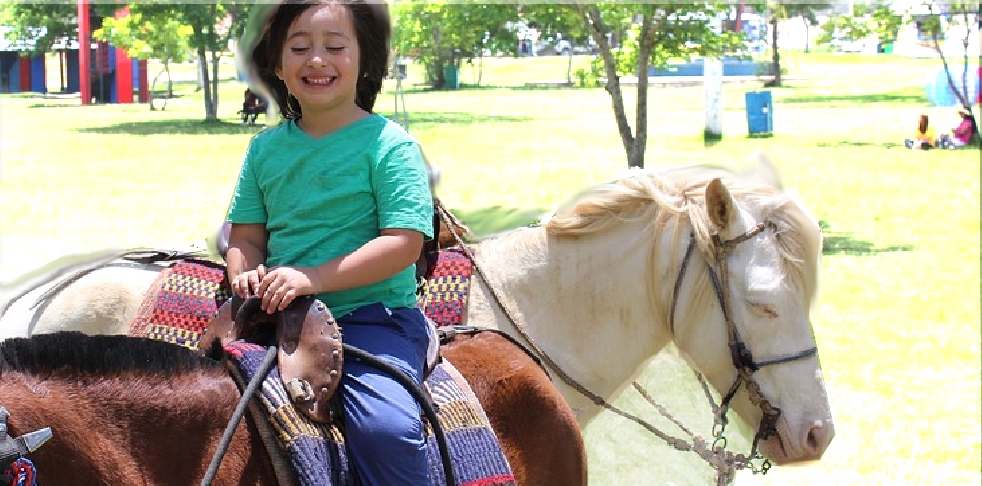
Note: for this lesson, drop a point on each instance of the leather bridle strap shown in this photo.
(740, 354)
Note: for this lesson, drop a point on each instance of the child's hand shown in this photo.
(246, 284)
(281, 285)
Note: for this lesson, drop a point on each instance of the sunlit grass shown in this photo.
(898, 319)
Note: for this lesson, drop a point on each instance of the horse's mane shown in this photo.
(667, 198)
(73, 352)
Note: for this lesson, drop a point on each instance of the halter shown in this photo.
(740, 354)
(725, 462)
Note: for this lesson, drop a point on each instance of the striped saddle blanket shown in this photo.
(188, 294)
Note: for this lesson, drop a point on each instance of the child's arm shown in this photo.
(384, 256)
(246, 251)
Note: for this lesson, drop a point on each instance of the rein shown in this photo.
(740, 354)
(723, 461)
(698, 445)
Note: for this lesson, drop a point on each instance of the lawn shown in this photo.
(897, 322)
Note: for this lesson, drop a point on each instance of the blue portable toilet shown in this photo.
(38, 81)
(760, 113)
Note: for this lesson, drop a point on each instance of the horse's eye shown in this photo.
(762, 309)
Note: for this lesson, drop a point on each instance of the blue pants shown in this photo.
(383, 424)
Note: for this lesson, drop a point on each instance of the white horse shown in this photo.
(725, 269)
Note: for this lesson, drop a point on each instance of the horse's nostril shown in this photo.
(818, 439)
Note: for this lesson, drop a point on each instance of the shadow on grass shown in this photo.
(418, 119)
(894, 98)
(185, 126)
(845, 244)
(849, 143)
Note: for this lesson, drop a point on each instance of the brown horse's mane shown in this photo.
(77, 353)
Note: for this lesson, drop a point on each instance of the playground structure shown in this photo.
(101, 74)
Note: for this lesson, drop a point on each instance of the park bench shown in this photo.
(250, 114)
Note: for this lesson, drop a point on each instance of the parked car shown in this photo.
(563, 46)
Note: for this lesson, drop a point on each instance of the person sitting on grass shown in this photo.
(924, 137)
(963, 133)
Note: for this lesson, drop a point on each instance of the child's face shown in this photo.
(319, 62)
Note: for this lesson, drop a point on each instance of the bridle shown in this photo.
(724, 462)
(740, 355)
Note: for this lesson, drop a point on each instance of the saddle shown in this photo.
(309, 354)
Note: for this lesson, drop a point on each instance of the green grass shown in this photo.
(897, 323)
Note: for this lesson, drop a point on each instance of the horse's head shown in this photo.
(741, 315)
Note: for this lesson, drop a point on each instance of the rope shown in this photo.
(267, 363)
(414, 389)
(675, 442)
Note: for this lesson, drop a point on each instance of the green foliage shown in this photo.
(147, 36)
(886, 23)
(35, 27)
(844, 27)
(588, 78)
(25, 24)
(438, 34)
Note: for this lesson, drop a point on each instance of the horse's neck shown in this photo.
(583, 300)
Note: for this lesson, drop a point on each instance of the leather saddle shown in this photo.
(309, 354)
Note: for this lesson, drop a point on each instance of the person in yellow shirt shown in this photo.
(924, 137)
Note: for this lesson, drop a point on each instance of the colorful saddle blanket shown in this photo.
(318, 454)
(444, 299)
(187, 295)
(181, 302)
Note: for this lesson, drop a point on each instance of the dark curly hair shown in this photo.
(373, 29)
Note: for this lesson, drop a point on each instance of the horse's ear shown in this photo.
(720, 205)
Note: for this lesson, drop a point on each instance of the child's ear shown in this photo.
(278, 72)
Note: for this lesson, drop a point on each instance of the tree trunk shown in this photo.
(594, 21)
(807, 34)
(777, 56)
(166, 70)
(210, 112)
(216, 57)
(713, 86)
(569, 67)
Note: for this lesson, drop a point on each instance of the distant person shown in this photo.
(963, 133)
(924, 137)
(252, 106)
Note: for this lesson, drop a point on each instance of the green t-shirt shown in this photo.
(326, 197)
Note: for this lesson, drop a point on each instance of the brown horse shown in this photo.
(135, 411)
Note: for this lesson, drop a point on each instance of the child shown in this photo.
(924, 137)
(334, 202)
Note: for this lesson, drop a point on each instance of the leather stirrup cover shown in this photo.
(310, 357)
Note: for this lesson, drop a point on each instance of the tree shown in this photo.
(649, 35)
(148, 36)
(788, 9)
(553, 19)
(806, 12)
(37, 26)
(213, 25)
(964, 15)
(439, 35)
